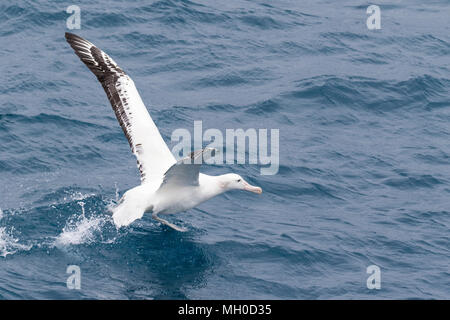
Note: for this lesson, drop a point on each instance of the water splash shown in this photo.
(9, 244)
(78, 196)
(116, 192)
(83, 229)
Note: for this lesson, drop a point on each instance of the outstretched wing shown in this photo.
(152, 154)
(186, 171)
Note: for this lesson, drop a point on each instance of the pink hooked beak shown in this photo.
(251, 188)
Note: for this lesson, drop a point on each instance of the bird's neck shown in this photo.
(211, 185)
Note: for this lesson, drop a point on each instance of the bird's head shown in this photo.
(234, 181)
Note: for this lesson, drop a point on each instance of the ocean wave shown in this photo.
(29, 83)
(25, 15)
(50, 119)
(183, 12)
(371, 94)
(411, 182)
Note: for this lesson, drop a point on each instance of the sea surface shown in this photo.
(364, 123)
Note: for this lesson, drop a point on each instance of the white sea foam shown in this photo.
(9, 244)
(81, 229)
(78, 196)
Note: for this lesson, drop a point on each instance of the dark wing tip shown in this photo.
(71, 38)
(70, 35)
(94, 58)
(78, 43)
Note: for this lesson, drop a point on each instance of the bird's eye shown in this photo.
(239, 180)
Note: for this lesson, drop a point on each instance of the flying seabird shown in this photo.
(167, 186)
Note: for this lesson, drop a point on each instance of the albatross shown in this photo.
(167, 186)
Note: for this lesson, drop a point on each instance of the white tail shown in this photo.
(130, 208)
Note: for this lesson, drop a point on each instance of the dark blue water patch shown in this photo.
(116, 137)
(370, 58)
(438, 158)
(30, 83)
(9, 107)
(296, 188)
(434, 46)
(342, 36)
(293, 47)
(387, 6)
(416, 218)
(175, 13)
(141, 40)
(26, 165)
(65, 102)
(229, 78)
(28, 16)
(12, 11)
(50, 119)
(339, 42)
(65, 195)
(100, 19)
(268, 106)
(261, 22)
(292, 259)
(424, 181)
(414, 92)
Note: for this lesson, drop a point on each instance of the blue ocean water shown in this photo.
(364, 149)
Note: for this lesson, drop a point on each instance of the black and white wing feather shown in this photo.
(153, 155)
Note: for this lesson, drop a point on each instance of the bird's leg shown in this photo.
(167, 223)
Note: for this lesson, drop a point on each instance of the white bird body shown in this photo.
(148, 197)
(167, 186)
(188, 197)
